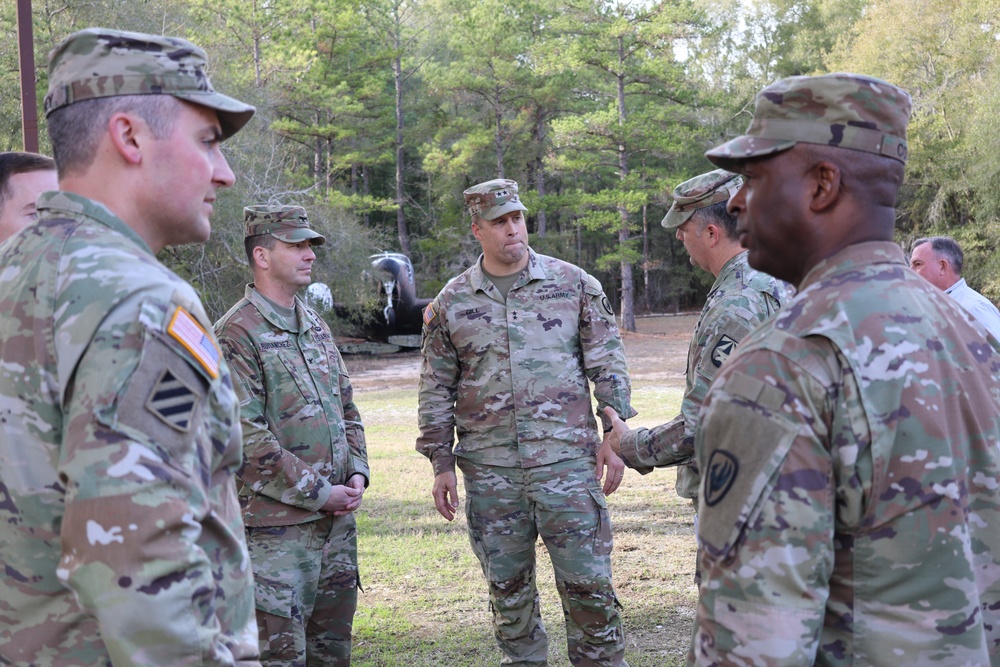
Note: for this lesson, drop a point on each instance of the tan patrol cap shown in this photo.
(492, 199)
(842, 110)
(98, 62)
(700, 192)
(285, 223)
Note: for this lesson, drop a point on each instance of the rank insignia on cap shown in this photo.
(722, 350)
(722, 470)
(172, 401)
(186, 330)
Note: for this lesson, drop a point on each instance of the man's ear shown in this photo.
(125, 131)
(260, 257)
(714, 236)
(825, 186)
(476, 232)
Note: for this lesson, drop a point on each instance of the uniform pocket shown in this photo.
(275, 581)
(603, 540)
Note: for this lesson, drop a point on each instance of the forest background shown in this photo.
(376, 114)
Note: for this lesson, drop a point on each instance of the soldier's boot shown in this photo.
(517, 621)
(594, 634)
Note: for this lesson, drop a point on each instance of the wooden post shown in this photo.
(26, 55)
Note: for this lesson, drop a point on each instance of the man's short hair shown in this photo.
(946, 247)
(76, 130)
(719, 215)
(16, 162)
(262, 240)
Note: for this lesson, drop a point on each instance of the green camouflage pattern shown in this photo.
(849, 513)
(844, 110)
(700, 192)
(120, 531)
(285, 223)
(740, 300)
(306, 576)
(99, 62)
(492, 199)
(302, 432)
(507, 510)
(511, 377)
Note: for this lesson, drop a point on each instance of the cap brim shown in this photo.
(497, 211)
(233, 114)
(732, 153)
(674, 218)
(300, 235)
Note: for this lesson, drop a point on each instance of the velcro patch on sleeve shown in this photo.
(184, 328)
(743, 449)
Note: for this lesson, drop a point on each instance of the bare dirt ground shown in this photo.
(656, 353)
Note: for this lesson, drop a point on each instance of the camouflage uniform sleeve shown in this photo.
(665, 445)
(353, 426)
(772, 493)
(268, 468)
(139, 499)
(438, 391)
(604, 353)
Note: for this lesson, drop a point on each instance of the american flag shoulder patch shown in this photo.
(429, 314)
(184, 328)
(172, 401)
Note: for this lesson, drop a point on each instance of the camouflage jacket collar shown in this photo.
(535, 271)
(268, 312)
(856, 257)
(58, 204)
(737, 262)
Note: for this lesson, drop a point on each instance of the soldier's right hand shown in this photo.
(446, 494)
(343, 500)
(617, 432)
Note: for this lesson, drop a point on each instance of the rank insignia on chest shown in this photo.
(722, 350)
(184, 328)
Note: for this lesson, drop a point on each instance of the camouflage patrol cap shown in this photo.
(492, 199)
(98, 62)
(843, 110)
(285, 223)
(700, 192)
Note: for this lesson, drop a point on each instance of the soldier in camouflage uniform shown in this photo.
(120, 531)
(23, 176)
(509, 347)
(740, 300)
(305, 464)
(849, 512)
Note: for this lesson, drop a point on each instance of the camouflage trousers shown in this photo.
(306, 591)
(507, 510)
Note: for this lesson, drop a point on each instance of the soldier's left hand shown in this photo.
(608, 461)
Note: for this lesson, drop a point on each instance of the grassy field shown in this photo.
(425, 601)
